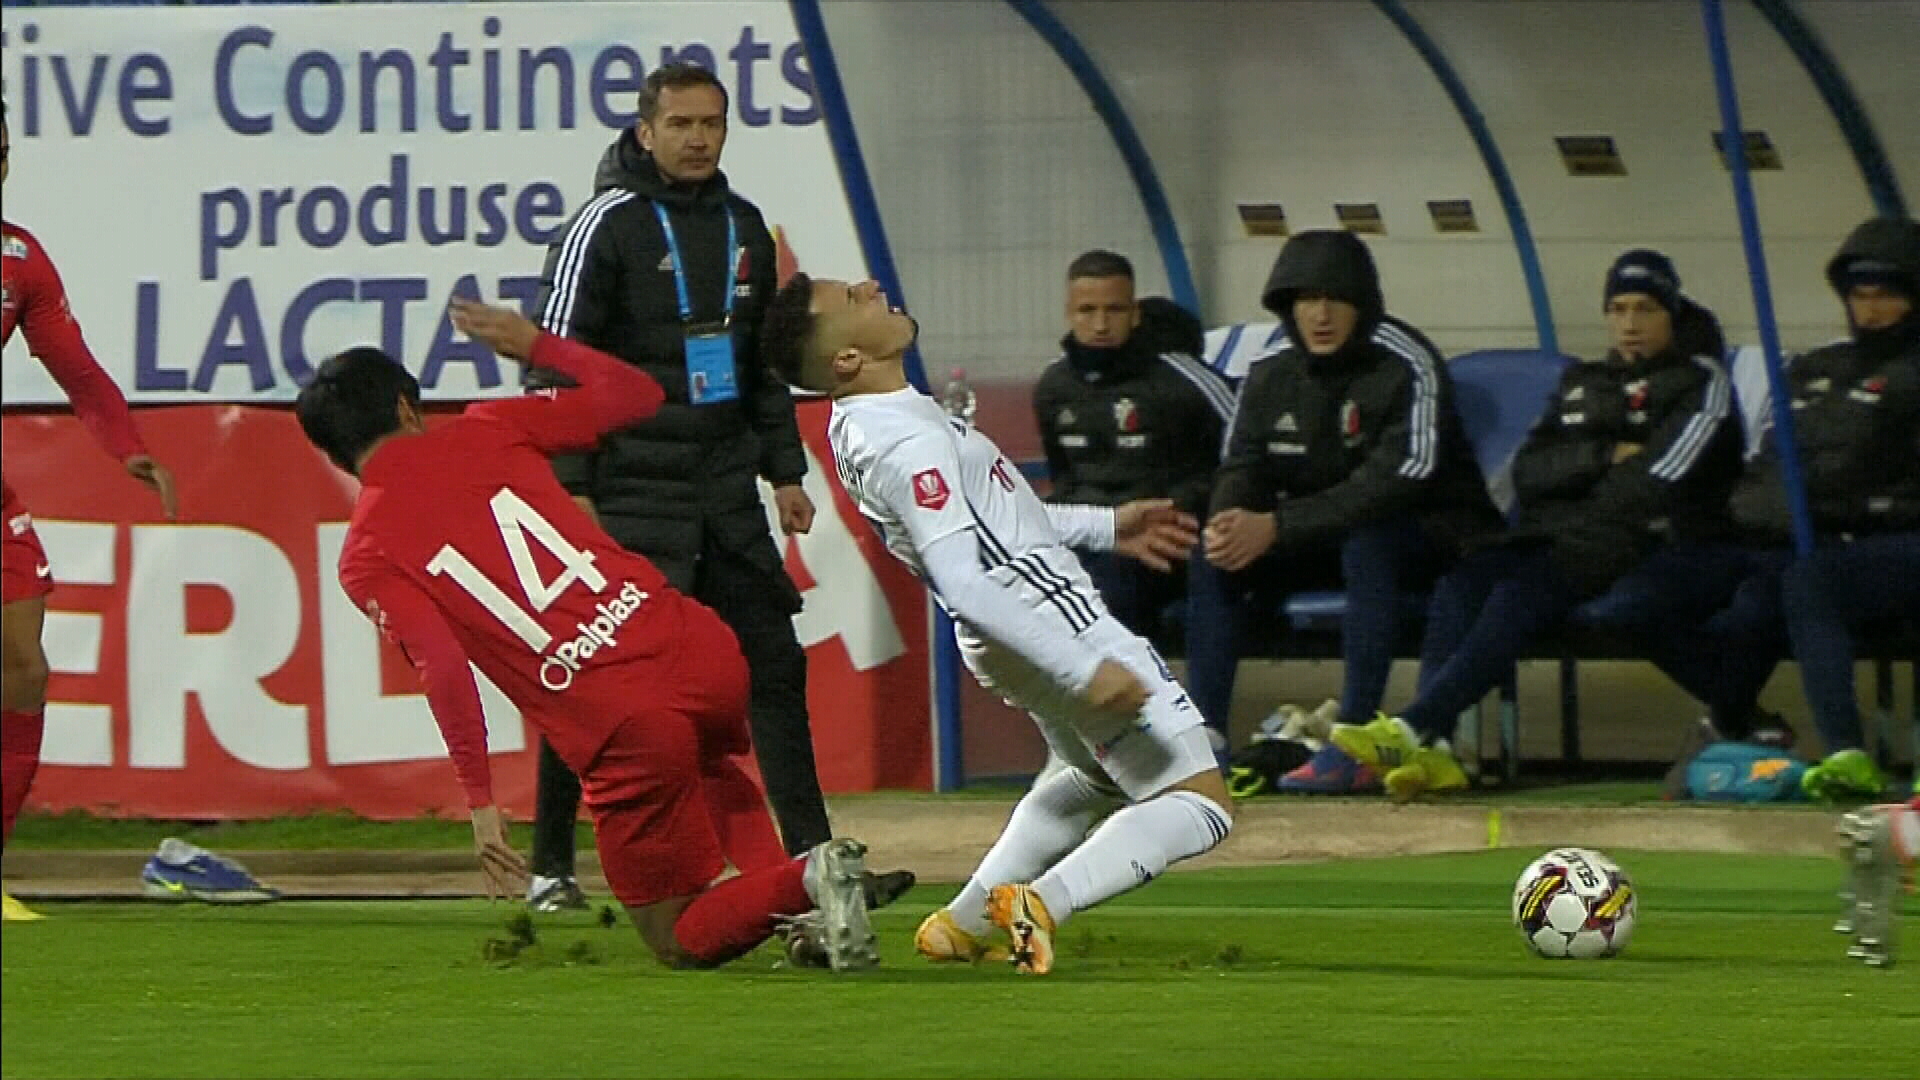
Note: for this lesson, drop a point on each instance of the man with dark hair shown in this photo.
(668, 269)
(1346, 467)
(1031, 627)
(639, 689)
(1121, 419)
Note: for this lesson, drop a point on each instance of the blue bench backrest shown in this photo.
(1231, 350)
(1752, 394)
(1499, 394)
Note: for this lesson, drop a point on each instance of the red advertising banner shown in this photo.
(211, 667)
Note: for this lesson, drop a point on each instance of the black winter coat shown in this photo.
(658, 486)
(1123, 424)
(1856, 416)
(1370, 437)
(1857, 424)
(1604, 517)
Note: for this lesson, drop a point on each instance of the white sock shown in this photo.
(1048, 822)
(1133, 847)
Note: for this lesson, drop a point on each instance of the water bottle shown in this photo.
(958, 398)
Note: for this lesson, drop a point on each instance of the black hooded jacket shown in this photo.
(608, 282)
(1364, 436)
(1856, 414)
(1676, 408)
(1126, 423)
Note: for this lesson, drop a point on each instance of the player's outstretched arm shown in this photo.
(53, 335)
(607, 394)
(409, 618)
(1083, 526)
(1154, 531)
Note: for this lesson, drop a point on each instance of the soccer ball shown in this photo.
(1572, 902)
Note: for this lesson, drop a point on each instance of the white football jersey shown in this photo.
(920, 475)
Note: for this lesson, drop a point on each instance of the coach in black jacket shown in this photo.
(674, 297)
(1637, 453)
(1345, 466)
(1121, 420)
(1856, 419)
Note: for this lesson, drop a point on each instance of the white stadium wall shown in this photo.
(991, 173)
(992, 169)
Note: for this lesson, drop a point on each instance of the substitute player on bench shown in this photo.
(1032, 628)
(464, 547)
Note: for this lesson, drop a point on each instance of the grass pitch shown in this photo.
(1392, 967)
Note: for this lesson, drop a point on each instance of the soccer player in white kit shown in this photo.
(1030, 624)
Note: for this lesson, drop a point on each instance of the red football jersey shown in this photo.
(32, 298)
(463, 546)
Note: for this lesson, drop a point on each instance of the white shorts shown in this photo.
(1141, 755)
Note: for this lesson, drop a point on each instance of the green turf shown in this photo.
(83, 832)
(1395, 967)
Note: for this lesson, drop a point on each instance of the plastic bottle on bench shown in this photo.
(958, 398)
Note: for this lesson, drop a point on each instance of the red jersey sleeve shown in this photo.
(408, 617)
(608, 395)
(54, 336)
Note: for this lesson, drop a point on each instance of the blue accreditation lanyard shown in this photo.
(679, 265)
(713, 375)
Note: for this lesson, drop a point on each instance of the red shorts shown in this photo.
(24, 573)
(642, 783)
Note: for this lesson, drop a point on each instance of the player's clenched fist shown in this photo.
(503, 330)
(1116, 689)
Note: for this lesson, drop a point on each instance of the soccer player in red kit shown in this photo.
(32, 298)
(464, 547)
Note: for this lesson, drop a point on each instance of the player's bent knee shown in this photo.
(656, 922)
(1212, 786)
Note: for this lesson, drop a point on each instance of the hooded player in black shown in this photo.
(1346, 468)
(1856, 419)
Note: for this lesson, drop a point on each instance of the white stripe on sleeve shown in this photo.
(557, 318)
(1694, 439)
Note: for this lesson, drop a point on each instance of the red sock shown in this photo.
(20, 733)
(740, 816)
(735, 916)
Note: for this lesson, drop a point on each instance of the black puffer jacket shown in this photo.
(608, 282)
(1601, 516)
(1364, 436)
(1856, 415)
(1123, 423)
